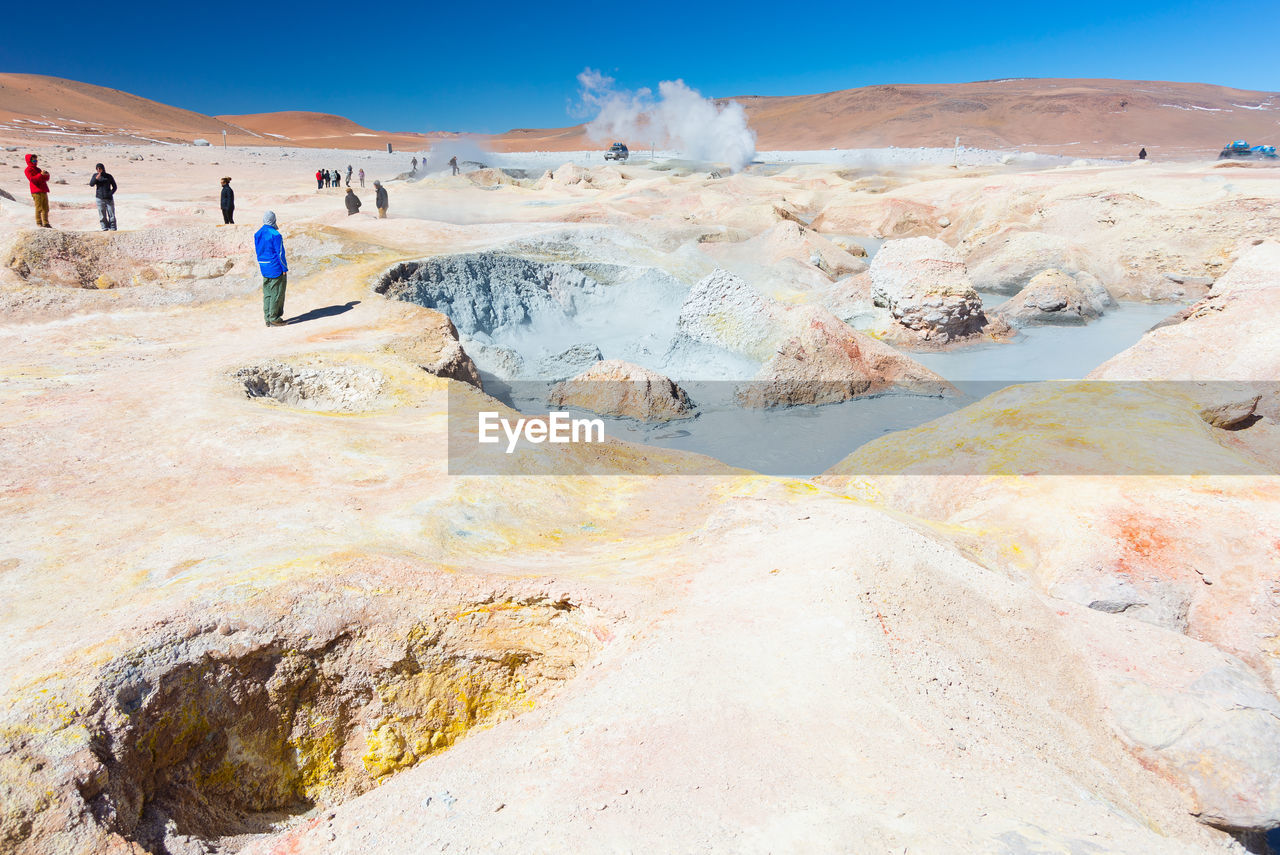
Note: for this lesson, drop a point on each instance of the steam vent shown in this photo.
(799, 482)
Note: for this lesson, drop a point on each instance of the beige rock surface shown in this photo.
(826, 362)
(1055, 297)
(244, 602)
(616, 388)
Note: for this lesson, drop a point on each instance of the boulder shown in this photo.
(724, 312)
(436, 349)
(157, 256)
(1055, 297)
(505, 363)
(923, 283)
(1193, 713)
(1232, 414)
(617, 388)
(573, 361)
(826, 361)
(1007, 262)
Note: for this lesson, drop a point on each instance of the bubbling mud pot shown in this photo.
(202, 737)
(529, 323)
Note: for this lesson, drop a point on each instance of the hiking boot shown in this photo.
(278, 322)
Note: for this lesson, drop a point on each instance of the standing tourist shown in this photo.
(275, 270)
(353, 202)
(319, 180)
(362, 176)
(453, 162)
(380, 199)
(39, 180)
(228, 203)
(104, 187)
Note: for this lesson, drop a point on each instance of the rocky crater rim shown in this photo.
(209, 737)
(330, 388)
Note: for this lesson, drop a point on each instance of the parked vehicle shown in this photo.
(1242, 150)
(617, 151)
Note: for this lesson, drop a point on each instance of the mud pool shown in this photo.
(529, 323)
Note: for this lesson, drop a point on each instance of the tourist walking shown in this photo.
(348, 175)
(353, 202)
(361, 176)
(380, 199)
(104, 187)
(39, 180)
(228, 202)
(453, 162)
(413, 169)
(275, 270)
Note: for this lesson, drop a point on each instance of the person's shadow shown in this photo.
(326, 312)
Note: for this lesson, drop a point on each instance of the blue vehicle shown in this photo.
(1241, 149)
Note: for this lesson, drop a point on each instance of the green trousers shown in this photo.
(273, 296)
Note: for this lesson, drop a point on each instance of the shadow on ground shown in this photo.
(326, 312)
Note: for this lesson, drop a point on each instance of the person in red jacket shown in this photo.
(319, 180)
(39, 180)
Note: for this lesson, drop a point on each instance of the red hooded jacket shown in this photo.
(38, 178)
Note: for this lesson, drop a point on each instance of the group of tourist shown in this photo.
(325, 178)
(268, 242)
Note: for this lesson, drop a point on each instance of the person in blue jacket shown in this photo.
(275, 270)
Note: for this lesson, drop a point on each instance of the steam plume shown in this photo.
(678, 118)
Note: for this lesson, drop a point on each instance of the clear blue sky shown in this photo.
(492, 66)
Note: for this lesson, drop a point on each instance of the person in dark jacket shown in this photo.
(228, 203)
(353, 202)
(380, 199)
(337, 178)
(275, 269)
(104, 187)
(453, 162)
(39, 180)
(1142, 153)
(348, 175)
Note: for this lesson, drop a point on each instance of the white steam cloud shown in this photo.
(679, 118)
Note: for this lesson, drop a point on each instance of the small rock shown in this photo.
(573, 361)
(617, 388)
(1055, 297)
(1232, 414)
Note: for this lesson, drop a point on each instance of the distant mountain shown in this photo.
(1086, 117)
(35, 108)
(40, 110)
(1109, 117)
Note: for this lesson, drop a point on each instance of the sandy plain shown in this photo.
(274, 622)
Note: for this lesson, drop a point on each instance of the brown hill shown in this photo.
(1086, 117)
(40, 110)
(298, 124)
(1101, 117)
(36, 109)
(315, 130)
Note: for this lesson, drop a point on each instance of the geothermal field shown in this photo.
(913, 501)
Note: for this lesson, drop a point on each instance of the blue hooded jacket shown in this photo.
(270, 248)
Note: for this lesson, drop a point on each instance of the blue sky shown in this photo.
(492, 66)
